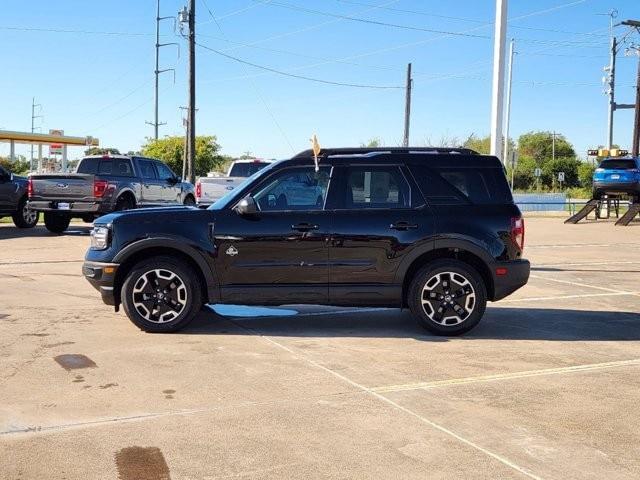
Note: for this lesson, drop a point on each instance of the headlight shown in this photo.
(100, 237)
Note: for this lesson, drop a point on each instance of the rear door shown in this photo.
(151, 185)
(378, 216)
(279, 255)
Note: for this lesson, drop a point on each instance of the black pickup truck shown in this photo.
(13, 200)
(104, 184)
(432, 229)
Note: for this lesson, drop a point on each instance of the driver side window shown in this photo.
(294, 189)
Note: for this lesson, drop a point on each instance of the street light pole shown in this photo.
(407, 107)
(498, 77)
(505, 156)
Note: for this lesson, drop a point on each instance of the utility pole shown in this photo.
(635, 151)
(505, 156)
(611, 90)
(407, 107)
(33, 126)
(498, 77)
(553, 145)
(156, 123)
(188, 15)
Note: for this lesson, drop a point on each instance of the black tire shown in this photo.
(124, 203)
(24, 217)
(152, 290)
(56, 222)
(88, 218)
(451, 282)
(190, 201)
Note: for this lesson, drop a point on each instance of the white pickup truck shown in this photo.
(211, 188)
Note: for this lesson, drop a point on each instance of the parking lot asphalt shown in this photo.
(547, 386)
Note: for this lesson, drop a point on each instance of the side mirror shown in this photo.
(246, 206)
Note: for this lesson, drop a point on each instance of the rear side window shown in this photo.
(451, 186)
(376, 187)
(117, 167)
(246, 169)
(618, 164)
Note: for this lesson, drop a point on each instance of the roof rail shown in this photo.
(327, 152)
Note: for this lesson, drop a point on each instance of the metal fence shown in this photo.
(559, 202)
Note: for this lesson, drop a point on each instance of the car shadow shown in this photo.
(8, 231)
(499, 323)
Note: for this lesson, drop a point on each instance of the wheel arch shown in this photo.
(462, 254)
(144, 249)
(128, 193)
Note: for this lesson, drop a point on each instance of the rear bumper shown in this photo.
(616, 187)
(515, 276)
(102, 277)
(74, 207)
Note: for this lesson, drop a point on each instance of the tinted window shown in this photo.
(246, 169)
(450, 186)
(146, 169)
(618, 164)
(294, 189)
(376, 187)
(164, 172)
(88, 165)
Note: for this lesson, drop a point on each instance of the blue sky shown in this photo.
(102, 84)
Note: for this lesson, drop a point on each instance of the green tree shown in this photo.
(373, 142)
(479, 144)
(551, 168)
(102, 151)
(539, 146)
(19, 165)
(585, 174)
(171, 149)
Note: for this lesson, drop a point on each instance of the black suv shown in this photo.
(435, 230)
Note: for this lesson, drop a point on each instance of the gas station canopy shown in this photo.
(46, 139)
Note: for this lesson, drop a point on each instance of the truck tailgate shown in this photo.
(215, 187)
(62, 187)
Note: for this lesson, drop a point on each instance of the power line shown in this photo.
(300, 77)
(62, 30)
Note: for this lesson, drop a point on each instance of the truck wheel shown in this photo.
(124, 203)
(448, 297)
(56, 222)
(189, 201)
(24, 217)
(161, 294)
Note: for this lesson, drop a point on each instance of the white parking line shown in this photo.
(581, 245)
(565, 297)
(506, 376)
(397, 406)
(586, 264)
(577, 284)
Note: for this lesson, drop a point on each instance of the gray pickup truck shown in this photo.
(104, 184)
(13, 200)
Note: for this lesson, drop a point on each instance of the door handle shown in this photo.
(402, 226)
(304, 227)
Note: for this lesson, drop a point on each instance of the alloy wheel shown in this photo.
(159, 295)
(448, 298)
(29, 215)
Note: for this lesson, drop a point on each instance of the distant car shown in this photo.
(211, 188)
(13, 200)
(617, 176)
(104, 184)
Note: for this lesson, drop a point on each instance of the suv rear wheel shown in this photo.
(56, 222)
(448, 297)
(161, 294)
(24, 217)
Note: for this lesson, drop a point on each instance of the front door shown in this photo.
(278, 255)
(7, 191)
(171, 190)
(151, 185)
(379, 216)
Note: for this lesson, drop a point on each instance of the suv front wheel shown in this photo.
(448, 297)
(161, 294)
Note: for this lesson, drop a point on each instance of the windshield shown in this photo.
(246, 169)
(228, 198)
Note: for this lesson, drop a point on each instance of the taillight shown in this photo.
(517, 231)
(198, 190)
(30, 187)
(99, 187)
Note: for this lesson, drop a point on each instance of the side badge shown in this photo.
(233, 251)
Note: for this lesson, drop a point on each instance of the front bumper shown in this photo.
(102, 277)
(513, 275)
(74, 207)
